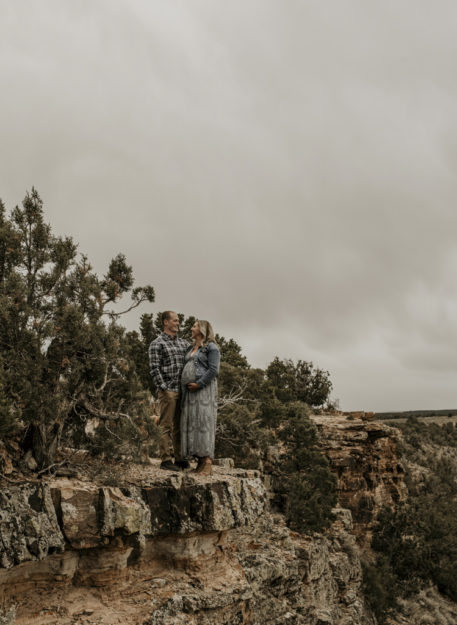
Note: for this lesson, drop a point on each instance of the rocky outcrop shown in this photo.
(171, 549)
(63, 516)
(287, 578)
(364, 455)
(165, 548)
(29, 529)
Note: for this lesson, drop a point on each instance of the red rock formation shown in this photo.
(364, 456)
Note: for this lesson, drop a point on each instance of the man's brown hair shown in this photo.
(166, 315)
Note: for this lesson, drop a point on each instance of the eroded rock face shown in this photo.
(199, 551)
(29, 529)
(182, 506)
(364, 456)
(300, 579)
(186, 549)
(37, 520)
(287, 578)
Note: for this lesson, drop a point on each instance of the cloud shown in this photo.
(287, 171)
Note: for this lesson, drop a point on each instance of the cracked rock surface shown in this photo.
(148, 547)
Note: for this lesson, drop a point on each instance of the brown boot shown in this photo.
(206, 466)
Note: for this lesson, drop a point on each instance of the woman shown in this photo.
(199, 397)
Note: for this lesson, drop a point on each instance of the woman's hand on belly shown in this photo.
(192, 387)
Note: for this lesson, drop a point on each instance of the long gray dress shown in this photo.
(198, 415)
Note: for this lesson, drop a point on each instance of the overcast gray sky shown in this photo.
(285, 169)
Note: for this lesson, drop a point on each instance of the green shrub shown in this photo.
(300, 381)
(380, 587)
(272, 412)
(417, 433)
(310, 499)
(418, 538)
(133, 439)
(9, 413)
(308, 486)
(239, 436)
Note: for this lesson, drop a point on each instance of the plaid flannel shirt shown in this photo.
(166, 360)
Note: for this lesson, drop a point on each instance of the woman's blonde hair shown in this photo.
(207, 331)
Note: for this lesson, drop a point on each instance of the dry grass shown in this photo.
(427, 608)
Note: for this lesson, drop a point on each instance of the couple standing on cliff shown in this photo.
(185, 375)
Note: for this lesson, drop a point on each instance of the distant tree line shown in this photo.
(416, 413)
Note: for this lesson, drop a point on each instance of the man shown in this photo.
(166, 360)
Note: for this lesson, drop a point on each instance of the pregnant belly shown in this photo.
(188, 374)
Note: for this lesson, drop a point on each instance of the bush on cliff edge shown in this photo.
(309, 486)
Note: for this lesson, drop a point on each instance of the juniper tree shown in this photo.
(63, 356)
(300, 381)
(309, 486)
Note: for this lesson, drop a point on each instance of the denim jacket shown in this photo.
(207, 360)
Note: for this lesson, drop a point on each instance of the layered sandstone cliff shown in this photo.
(168, 549)
(163, 549)
(365, 457)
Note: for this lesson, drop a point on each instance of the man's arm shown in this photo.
(155, 353)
